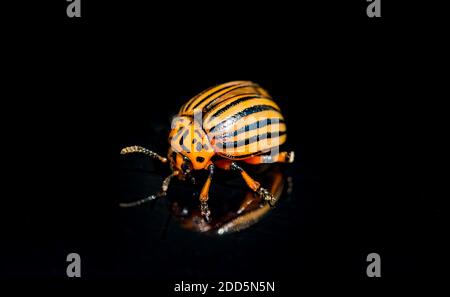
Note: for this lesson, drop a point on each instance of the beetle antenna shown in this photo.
(141, 201)
(162, 193)
(142, 150)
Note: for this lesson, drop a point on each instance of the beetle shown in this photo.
(221, 127)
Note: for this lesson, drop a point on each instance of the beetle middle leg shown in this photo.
(204, 195)
(251, 183)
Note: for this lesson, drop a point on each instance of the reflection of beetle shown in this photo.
(223, 125)
(238, 210)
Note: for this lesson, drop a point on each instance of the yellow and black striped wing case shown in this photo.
(240, 119)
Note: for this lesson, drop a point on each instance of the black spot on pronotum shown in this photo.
(200, 159)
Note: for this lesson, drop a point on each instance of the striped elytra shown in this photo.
(235, 120)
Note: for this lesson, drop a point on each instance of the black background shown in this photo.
(360, 117)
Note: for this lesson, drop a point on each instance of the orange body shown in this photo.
(226, 124)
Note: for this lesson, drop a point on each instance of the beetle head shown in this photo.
(189, 141)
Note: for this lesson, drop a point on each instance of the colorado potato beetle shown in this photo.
(222, 126)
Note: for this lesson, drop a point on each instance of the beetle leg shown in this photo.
(142, 150)
(162, 193)
(283, 157)
(254, 185)
(204, 195)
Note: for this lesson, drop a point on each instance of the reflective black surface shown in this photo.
(361, 117)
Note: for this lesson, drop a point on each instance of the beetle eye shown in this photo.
(186, 164)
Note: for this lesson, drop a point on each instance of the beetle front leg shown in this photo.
(253, 184)
(204, 195)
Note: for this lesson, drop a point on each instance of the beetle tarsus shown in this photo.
(266, 195)
(206, 213)
(290, 157)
